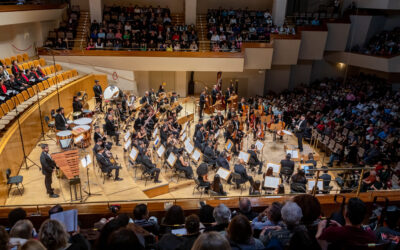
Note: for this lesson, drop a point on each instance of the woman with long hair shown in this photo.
(217, 186)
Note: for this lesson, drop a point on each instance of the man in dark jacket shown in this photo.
(48, 166)
(111, 128)
(98, 93)
(253, 160)
(222, 161)
(209, 154)
(60, 120)
(240, 169)
(300, 129)
(106, 166)
(287, 168)
(150, 167)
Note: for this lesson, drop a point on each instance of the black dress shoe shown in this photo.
(118, 179)
(259, 172)
(54, 195)
(157, 181)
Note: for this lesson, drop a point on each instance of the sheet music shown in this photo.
(171, 159)
(293, 153)
(196, 155)
(287, 132)
(184, 127)
(275, 167)
(183, 136)
(127, 135)
(68, 218)
(85, 161)
(245, 156)
(217, 134)
(223, 173)
(78, 139)
(188, 146)
(127, 144)
(259, 145)
(311, 184)
(271, 182)
(134, 153)
(160, 151)
(155, 133)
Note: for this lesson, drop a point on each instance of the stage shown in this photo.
(131, 188)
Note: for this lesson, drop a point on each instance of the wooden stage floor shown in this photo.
(131, 188)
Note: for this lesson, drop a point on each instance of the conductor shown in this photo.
(48, 166)
(299, 130)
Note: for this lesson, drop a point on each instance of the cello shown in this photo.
(208, 107)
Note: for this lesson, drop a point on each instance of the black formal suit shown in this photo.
(222, 162)
(173, 99)
(98, 91)
(186, 169)
(77, 106)
(209, 154)
(202, 101)
(60, 122)
(106, 166)
(220, 120)
(111, 130)
(146, 99)
(253, 160)
(287, 168)
(240, 169)
(97, 136)
(214, 93)
(139, 122)
(199, 138)
(240, 107)
(48, 166)
(300, 133)
(209, 126)
(150, 167)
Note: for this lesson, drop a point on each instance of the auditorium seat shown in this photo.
(13, 58)
(25, 56)
(3, 61)
(8, 61)
(42, 62)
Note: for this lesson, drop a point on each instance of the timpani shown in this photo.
(62, 135)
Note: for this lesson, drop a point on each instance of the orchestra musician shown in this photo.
(121, 112)
(253, 160)
(111, 128)
(76, 105)
(61, 122)
(222, 161)
(97, 135)
(214, 93)
(197, 126)
(106, 166)
(139, 122)
(202, 177)
(287, 168)
(220, 119)
(240, 169)
(278, 120)
(160, 90)
(241, 105)
(146, 98)
(48, 166)
(210, 125)
(202, 102)
(299, 131)
(184, 166)
(150, 166)
(209, 154)
(199, 138)
(219, 81)
(98, 94)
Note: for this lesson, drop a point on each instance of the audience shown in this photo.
(294, 224)
(140, 28)
(386, 43)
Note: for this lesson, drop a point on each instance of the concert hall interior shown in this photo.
(114, 108)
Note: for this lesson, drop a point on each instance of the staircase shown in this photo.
(178, 19)
(202, 30)
(82, 31)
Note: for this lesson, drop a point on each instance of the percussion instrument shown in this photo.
(111, 93)
(70, 124)
(84, 130)
(87, 113)
(76, 115)
(66, 134)
(83, 121)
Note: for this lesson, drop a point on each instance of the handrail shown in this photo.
(11, 8)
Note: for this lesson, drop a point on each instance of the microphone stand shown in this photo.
(26, 158)
(43, 135)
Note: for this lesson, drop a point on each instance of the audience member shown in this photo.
(240, 234)
(211, 241)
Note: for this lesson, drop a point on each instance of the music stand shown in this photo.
(86, 161)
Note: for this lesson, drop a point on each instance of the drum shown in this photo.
(83, 121)
(66, 134)
(70, 123)
(87, 113)
(85, 131)
(76, 115)
(111, 92)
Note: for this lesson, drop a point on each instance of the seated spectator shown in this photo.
(211, 241)
(246, 209)
(15, 215)
(174, 218)
(222, 216)
(124, 239)
(4, 238)
(21, 232)
(291, 216)
(141, 218)
(240, 234)
(270, 217)
(32, 244)
(351, 234)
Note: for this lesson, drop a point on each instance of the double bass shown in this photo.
(208, 107)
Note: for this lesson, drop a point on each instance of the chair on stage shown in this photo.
(14, 180)
(134, 165)
(236, 179)
(178, 173)
(50, 125)
(146, 175)
(213, 193)
(198, 187)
